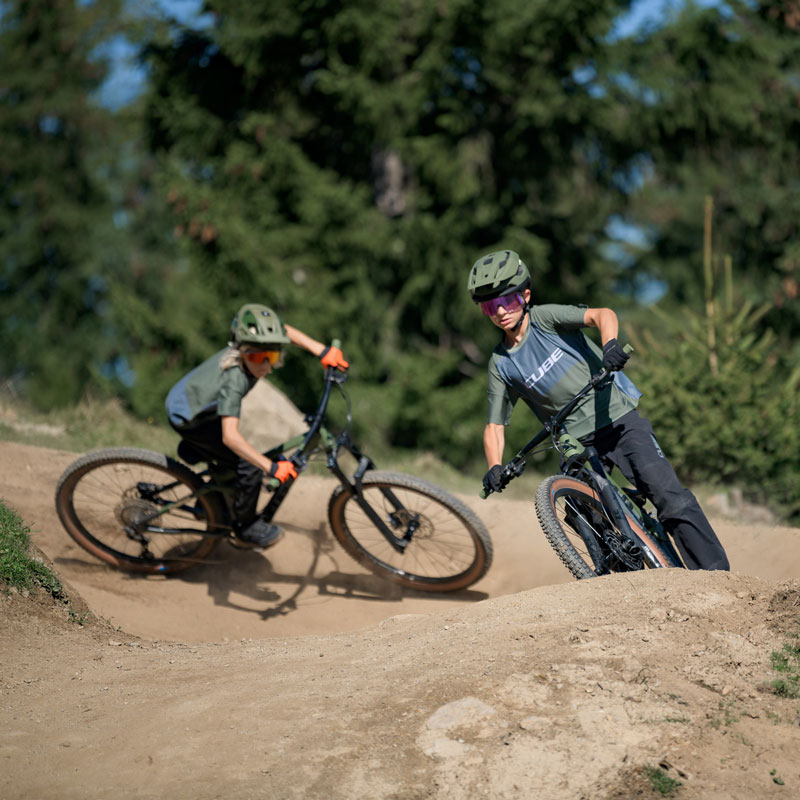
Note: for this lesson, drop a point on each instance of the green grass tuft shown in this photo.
(661, 782)
(17, 568)
(786, 662)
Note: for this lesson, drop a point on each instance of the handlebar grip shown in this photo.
(336, 343)
(484, 494)
(628, 348)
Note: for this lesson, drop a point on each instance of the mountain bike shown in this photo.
(143, 511)
(596, 523)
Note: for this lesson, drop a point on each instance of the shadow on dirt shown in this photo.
(318, 569)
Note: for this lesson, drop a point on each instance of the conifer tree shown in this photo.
(57, 259)
(716, 105)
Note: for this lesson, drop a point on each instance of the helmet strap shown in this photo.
(524, 314)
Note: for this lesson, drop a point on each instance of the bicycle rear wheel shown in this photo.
(102, 496)
(448, 549)
(583, 535)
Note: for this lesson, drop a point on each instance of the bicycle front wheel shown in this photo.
(583, 535)
(105, 498)
(446, 546)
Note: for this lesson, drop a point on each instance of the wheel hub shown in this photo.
(403, 518)
(131, 510)
(626, 551)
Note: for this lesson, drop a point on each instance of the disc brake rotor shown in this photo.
(403, 518)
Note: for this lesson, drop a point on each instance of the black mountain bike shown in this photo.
(146, 512)
(596, 524)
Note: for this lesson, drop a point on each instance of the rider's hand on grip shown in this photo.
(332, 357)
(282, 470)
(494, 480)
(614, 357)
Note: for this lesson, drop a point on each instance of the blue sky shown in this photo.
(126, 79)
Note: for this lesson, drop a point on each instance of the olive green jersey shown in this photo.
(209, 391)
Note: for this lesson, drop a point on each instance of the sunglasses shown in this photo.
(260, 356)
(510, 302)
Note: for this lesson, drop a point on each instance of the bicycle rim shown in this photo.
(102, 496)
(449, 550)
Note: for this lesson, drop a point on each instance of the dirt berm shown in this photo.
(293, 674)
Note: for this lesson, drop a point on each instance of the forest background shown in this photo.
(346, 162)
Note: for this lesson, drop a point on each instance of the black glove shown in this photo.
(614, 357)
(493, 479)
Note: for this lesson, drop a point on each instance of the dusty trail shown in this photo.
(307, 583)
(293, 674)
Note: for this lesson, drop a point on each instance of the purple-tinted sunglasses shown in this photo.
(510, 302)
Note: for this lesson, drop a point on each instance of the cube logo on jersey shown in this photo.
(545, 367)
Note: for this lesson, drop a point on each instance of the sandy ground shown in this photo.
(295, 674)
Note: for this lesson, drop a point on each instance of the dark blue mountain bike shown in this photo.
(596, 524)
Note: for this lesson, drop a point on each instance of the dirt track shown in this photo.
(295, 674)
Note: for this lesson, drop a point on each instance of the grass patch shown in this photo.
(17, 568)
(786, 662)
(661, 782)
(727, 715)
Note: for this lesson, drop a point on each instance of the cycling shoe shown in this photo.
(258, 534)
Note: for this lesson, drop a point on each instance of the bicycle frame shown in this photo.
(332, 445)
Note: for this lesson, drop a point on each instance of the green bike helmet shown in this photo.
(497, 274)
(258, 325)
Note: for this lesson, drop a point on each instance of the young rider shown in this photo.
(204, 408)
(545, 359)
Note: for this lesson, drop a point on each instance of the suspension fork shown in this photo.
(398, 543)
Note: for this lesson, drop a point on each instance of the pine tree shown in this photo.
(715, 111)
(57, 259)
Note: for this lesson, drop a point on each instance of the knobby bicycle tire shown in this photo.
(578, 553)
(450, 549)
(101, 493)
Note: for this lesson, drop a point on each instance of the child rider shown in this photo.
(544, 358)
(204, 408)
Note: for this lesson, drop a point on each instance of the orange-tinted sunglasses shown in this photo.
(260, 356)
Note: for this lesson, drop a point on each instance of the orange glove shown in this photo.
(332, 357)
(283, 470)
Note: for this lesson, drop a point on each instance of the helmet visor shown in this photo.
(510, 302)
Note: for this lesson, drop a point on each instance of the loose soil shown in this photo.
(294, 674)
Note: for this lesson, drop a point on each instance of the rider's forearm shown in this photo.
(494, 440)
(233, 440)
(605, 320)
(305, 341)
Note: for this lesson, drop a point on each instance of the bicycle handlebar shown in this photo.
(516, 465)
